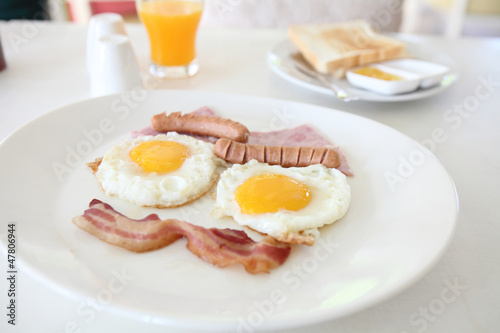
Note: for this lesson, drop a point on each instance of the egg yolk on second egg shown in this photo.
(270, 193)
(159, 156)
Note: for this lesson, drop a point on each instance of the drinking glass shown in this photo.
(172, 27)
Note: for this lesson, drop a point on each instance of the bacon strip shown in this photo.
(220, 247)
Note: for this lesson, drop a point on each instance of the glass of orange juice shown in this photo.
(172, 27)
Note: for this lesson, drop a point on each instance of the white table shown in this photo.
(46, 70)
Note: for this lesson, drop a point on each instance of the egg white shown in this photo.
(330, 199)
(120, 176)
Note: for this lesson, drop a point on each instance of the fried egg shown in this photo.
(159, 171)
(289, 204)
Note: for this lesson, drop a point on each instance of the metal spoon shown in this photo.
(302, 65)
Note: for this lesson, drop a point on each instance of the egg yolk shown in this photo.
(159, 156)
(270, 193)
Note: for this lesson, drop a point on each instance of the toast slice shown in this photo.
(335, 48)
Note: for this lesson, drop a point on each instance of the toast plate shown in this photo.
(393, 233)
(279, 62)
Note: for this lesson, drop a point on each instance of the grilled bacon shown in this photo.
(220, 247)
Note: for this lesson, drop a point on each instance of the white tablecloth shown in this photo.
(46, 70)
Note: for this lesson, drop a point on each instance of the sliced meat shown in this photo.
(220, 247)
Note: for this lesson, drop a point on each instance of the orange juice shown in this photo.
(171, 26)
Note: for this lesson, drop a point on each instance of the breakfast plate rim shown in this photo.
(199, 321)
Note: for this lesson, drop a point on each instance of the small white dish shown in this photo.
(432, 72)
(412, 73)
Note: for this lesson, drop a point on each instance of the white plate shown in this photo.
(390, 237)
(278, 60)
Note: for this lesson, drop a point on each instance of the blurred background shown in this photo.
(451, 18)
